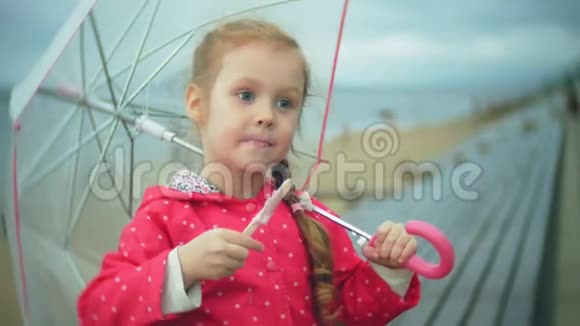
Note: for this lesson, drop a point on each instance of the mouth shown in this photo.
(258, 142)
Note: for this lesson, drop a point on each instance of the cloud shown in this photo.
(426, 58)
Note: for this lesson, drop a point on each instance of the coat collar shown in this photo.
(189, 186)
(189, 181)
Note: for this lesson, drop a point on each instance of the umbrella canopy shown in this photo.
(82, 156)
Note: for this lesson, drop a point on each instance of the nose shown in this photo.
(264, 116)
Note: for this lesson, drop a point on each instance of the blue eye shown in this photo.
(284, 103)
(246, 96)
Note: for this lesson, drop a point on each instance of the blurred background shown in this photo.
(478, 101)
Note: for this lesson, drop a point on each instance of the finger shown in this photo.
(398, 247)
(410, 250)
(222, 271)
(370, 252)
(382, 232)
(236, 252)
(234, 264)
(242, 239)
(230, 264)
(389, 242)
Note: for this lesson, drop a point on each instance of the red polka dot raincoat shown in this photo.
(271, 289)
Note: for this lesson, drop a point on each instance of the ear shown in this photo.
(193, 103)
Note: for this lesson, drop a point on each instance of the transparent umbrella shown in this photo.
(93, 119)
(101, 117)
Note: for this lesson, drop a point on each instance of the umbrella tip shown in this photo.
(17, 125)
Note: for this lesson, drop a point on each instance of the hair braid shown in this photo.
(318, 245)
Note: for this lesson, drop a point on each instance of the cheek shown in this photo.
(221, 117)
(224, 134)
(221, 100)
(287, 131)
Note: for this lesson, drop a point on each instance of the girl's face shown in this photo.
(253, 107)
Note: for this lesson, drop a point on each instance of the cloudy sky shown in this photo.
(394, 43)
(457, 42)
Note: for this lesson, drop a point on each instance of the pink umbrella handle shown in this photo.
(441, 244)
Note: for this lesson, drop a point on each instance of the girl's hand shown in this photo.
(215, 254)
(393, 246)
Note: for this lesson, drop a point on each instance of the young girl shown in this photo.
(184, 260)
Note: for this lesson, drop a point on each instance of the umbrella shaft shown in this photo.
(142, 123)
(342, 223)
(74, 96)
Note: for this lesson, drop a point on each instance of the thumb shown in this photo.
(369, 252)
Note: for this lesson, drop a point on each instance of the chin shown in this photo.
(250, 165)
(241, 159)
(265, 164)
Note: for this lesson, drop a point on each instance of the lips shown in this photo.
(259, 141)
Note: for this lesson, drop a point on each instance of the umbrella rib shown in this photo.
(64, 157)
(154, 74)
(174, 39)
(90, 184)
(163, 113)
(60, 129)
(152, 52)
(106, 69)
(118, 43)
(102, 58)
(102, 159)
(67, 120)
(72, 225)
(75, 218)
(100, 149)
(160, 113)
(53, 138)
(137, 109)
(76, 270)
(76, 165)
(191, 33)
(79, 134)
(307, 154)
(98, 140)
(94, 126)
(100, 146)
(139, 52)
(82, 54)
(51, 142)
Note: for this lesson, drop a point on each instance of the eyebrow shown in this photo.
(259, 84)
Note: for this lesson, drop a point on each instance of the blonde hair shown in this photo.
(206, 63)
(233, 34)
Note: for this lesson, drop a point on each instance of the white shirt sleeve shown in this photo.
(398, 279)
(175, 298)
